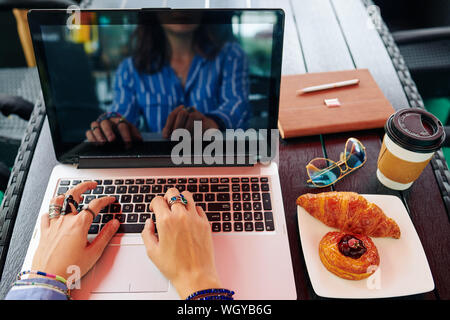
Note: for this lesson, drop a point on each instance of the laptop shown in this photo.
(95, 62)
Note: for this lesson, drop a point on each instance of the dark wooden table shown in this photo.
(320, 35)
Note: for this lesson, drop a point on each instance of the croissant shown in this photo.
(349, 212)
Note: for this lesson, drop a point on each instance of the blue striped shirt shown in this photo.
(217, 87)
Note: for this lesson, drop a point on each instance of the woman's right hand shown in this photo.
(183, 249)
(106, 131)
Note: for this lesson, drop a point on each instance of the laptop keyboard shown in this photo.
(232, 204)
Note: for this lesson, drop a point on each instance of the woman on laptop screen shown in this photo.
(178, 73)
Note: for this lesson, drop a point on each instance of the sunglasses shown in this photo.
(324, 172)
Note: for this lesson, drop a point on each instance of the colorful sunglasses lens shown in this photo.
(323, 172)
(355, 153)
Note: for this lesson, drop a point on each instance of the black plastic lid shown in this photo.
(416, 130)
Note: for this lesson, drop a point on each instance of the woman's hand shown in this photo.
(182, 117)
(183, 249)
(63, 240)
(107, 130)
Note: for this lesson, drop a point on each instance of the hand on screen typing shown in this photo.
(183, 118)
(109, 129)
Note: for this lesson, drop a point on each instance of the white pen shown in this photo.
(328, 86)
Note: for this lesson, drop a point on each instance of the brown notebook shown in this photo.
(362, 106)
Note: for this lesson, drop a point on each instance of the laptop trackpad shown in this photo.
(127, 269)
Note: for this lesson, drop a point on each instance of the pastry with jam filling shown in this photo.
(349, 256)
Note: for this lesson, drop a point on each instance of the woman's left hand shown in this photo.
(182, 117)
(63, 242)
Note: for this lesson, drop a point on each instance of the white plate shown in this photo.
(403, 269)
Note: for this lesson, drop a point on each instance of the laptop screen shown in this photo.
(131, 83)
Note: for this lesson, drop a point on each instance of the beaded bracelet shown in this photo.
(212, 294)
(44, 285)
(215, 298)
(44, 274)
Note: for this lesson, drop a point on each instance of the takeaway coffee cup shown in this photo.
(411, 138)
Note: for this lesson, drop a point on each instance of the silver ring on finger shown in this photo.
(177, 199)
(54, 211)
(190, 109)
(86, 207)
(122, 120)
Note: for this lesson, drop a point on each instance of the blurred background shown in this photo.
(421, 30)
